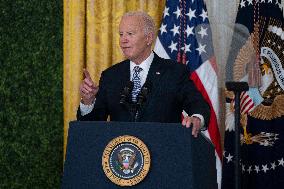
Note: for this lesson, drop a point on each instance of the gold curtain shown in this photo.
(91, 41)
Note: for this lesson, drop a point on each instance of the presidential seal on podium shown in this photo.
(126, 160)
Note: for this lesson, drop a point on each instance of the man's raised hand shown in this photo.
(88, 89)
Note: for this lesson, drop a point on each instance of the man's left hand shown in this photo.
(195, 122)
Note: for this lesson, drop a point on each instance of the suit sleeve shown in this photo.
(100, 110)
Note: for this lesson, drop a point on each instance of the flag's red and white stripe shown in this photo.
(246, 103)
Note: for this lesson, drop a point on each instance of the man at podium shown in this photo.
(144, 87)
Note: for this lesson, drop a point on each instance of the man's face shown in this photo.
(134, 43)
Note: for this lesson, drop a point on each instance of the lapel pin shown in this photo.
(158, 73)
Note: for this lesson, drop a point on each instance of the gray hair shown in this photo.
(148, 21)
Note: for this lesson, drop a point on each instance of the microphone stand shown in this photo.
(237, 88)
(137, 114)
(133, 110)
(141, 98)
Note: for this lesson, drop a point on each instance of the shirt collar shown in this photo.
(145, 65)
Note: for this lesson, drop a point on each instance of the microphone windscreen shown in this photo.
(126, 92)
(130, 85)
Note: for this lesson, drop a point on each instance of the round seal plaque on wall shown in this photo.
(126, 160)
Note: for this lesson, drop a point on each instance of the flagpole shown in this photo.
(237, 88)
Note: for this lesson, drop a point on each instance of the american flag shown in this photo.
(185, 36)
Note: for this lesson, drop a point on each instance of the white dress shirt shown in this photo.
(145, 65)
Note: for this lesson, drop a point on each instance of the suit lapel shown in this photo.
(154, 76)
(156, 70)
(125, 73)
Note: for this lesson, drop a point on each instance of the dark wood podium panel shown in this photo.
(178, 160)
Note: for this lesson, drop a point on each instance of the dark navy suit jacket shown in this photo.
(171, 92)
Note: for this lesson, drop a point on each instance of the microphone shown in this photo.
(125, 93)
(141, 98)
(145, 90)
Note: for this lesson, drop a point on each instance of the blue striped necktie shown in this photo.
(137, 82)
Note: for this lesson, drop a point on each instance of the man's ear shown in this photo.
(150, 38)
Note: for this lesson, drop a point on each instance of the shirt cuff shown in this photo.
(202, 121)
(85, 109)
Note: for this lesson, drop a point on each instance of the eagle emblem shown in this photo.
(127, 160)
(267, 97)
